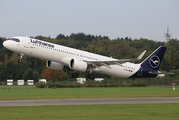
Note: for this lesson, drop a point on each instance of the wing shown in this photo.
(97, 64)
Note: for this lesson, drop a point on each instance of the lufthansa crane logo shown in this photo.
(154, 61)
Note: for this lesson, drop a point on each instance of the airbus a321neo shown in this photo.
(57, 56)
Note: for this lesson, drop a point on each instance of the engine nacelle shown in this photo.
(78, 65)
(54, 65)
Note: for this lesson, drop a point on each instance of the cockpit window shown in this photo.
(15, 39)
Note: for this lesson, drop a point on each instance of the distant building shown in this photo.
(9, 82)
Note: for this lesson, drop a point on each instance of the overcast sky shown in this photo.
(112, 18)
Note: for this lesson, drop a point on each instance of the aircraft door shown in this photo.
(140, 71)
(26, 42)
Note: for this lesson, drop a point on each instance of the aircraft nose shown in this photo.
(5, 44)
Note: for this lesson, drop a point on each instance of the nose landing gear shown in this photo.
(21, 56)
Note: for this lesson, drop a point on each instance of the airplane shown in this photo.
(57, 56)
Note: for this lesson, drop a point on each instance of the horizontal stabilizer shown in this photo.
(156, 73)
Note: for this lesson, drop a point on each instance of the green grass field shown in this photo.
(89, 112)
(30, 92)
(93, 112)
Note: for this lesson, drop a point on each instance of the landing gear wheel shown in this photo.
(19, 61)
(91, 76)
(75, 75)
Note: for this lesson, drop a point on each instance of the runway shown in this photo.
(102, 101)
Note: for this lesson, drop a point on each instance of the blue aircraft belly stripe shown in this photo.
(144, 73)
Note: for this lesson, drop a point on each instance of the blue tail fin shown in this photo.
(153, 61)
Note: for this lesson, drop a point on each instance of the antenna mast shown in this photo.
(167, 35)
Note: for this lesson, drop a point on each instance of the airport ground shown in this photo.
(112, 112)
(93, 112)
(31, 92)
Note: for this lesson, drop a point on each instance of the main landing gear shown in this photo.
(90, 76)
(21, 56)
(76, 75)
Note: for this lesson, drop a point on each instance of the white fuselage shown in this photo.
(58, 53)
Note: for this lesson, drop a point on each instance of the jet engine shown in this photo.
(54, 65)
(78, 65)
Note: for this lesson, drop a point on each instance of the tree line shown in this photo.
(120, 48)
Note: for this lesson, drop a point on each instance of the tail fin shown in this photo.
(153, 61)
